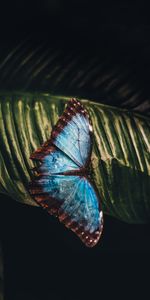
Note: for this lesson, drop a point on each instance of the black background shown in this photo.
(43, 260)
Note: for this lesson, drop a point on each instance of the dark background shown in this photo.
(43, 260)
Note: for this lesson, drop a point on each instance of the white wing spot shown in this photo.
(90, 127)
(101, 214)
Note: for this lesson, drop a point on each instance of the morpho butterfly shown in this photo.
(62, 184)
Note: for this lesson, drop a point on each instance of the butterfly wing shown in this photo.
(70, 145)
(70, 197)
(72, 133)
(74, 201)
(53, 160)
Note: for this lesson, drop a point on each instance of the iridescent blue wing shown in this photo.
(70, 197)
(69, 147)
(74, 201)
(53, 160)
(72, 133)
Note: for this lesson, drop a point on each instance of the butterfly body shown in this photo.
(62, 181)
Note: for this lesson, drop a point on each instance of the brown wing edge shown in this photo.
(89, 239)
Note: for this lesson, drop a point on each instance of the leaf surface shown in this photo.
(120, 157)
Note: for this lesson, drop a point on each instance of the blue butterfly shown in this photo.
(62, 184)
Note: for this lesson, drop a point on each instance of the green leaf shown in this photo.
(120, 158)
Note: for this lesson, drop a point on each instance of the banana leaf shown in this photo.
(120, 157)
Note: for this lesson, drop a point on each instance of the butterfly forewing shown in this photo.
(72, 133)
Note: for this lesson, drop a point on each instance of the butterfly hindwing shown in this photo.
(77, 204)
